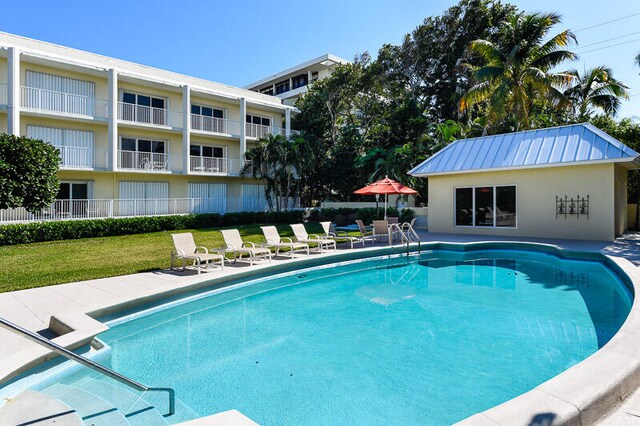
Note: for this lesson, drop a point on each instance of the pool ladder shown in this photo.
(407, 235)
(89, 363)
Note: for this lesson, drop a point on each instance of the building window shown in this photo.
(256, 119)
(143, 100)
(314, 76)
(300, 80)
(207, 111)
(486, 206)
(282, 87)
(73, 191)
(207, 151)
(143, 145)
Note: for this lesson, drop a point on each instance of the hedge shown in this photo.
(367, 215)
(72, 229)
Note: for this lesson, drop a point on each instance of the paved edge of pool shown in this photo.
(582, 394)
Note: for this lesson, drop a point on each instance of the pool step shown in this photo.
(134, 407)
(91, 408)
(30, 407)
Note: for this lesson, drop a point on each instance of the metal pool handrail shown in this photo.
(396, 228)
(88, 363)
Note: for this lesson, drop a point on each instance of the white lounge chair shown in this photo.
(365, 232)
(275, 240)
(381, 230)
(184, 248)
(302, 237)
(331, 233)
(235, 245)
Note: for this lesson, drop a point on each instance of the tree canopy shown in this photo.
(28, 173)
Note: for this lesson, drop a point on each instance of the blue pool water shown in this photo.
(375, 342)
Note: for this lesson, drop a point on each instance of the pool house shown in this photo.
(565, 182)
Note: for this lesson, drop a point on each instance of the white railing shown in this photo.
(208, 165)
(76, 157)
(136, 160)
(257, 130)
(4, 94)
(35, 99)
(212, 124)
(143, 114)
(98, 209)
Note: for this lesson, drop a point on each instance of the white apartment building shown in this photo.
(291, 83)
(134, 140)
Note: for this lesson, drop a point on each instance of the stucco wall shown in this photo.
(535, 197)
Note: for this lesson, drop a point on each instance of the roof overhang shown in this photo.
(631, 163)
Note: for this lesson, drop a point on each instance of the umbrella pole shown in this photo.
(386, 196)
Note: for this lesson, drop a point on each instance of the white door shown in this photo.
(143, 198)
(208, 197)
(253, 198)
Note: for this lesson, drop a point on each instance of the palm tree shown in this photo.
(517, 68)
(596, 88)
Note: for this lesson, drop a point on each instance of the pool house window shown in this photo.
(486, 206)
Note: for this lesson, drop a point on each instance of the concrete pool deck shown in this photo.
(68, 311)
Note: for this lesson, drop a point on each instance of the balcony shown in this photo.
(215, 166)
(75, 157)
(4, 94)
(145, 161)
(99, 209)
(148, 116)
(258, 131)
(62, 103)
(200, 123)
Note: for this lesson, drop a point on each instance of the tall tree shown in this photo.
(518, 68)
(596, 88)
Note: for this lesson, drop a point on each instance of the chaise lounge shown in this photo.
(184, 248)
(331, 233)
(303, 237)
(275, 240)
(235, 245)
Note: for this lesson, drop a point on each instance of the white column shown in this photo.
(13, 91)
(243, 128)
(112, 116)
(287, 122)
(186, 128)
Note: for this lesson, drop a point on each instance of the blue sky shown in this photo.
(240, 41)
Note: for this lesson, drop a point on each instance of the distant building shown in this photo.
(289, 84)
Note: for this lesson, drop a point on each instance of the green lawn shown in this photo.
(43, 264)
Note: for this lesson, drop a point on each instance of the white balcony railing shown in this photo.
(215, 166)
(150, 161)
(97, 209)
(64, 103)
(142, 114)
(4, 94)
(75, 157)
(214, 125)
(257, 130)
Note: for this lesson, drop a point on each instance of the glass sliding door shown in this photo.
(506, 206)
(464, 207)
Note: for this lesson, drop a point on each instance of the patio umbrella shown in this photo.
(385, 186)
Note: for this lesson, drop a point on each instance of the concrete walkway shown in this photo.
(67, 304)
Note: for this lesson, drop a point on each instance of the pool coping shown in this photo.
(581, 394)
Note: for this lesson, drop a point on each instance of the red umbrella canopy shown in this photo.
(385, 186)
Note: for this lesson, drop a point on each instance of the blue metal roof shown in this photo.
(557, 146)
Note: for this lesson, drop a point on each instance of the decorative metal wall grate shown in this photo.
(578, 206)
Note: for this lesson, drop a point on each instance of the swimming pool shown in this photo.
(430, 340)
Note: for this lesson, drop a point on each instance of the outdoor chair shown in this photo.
(234, 244)
(275, 240)
(365, 232)
(184, 248)
(381, 230)
(331, 233)
(302, 237)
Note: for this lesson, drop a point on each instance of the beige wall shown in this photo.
(100, 82)
(99, 129)
(535, 197)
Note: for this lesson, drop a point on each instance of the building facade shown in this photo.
(292, 83)
(134, 140)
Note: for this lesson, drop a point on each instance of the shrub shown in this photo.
(367, 214)
(72, 229)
